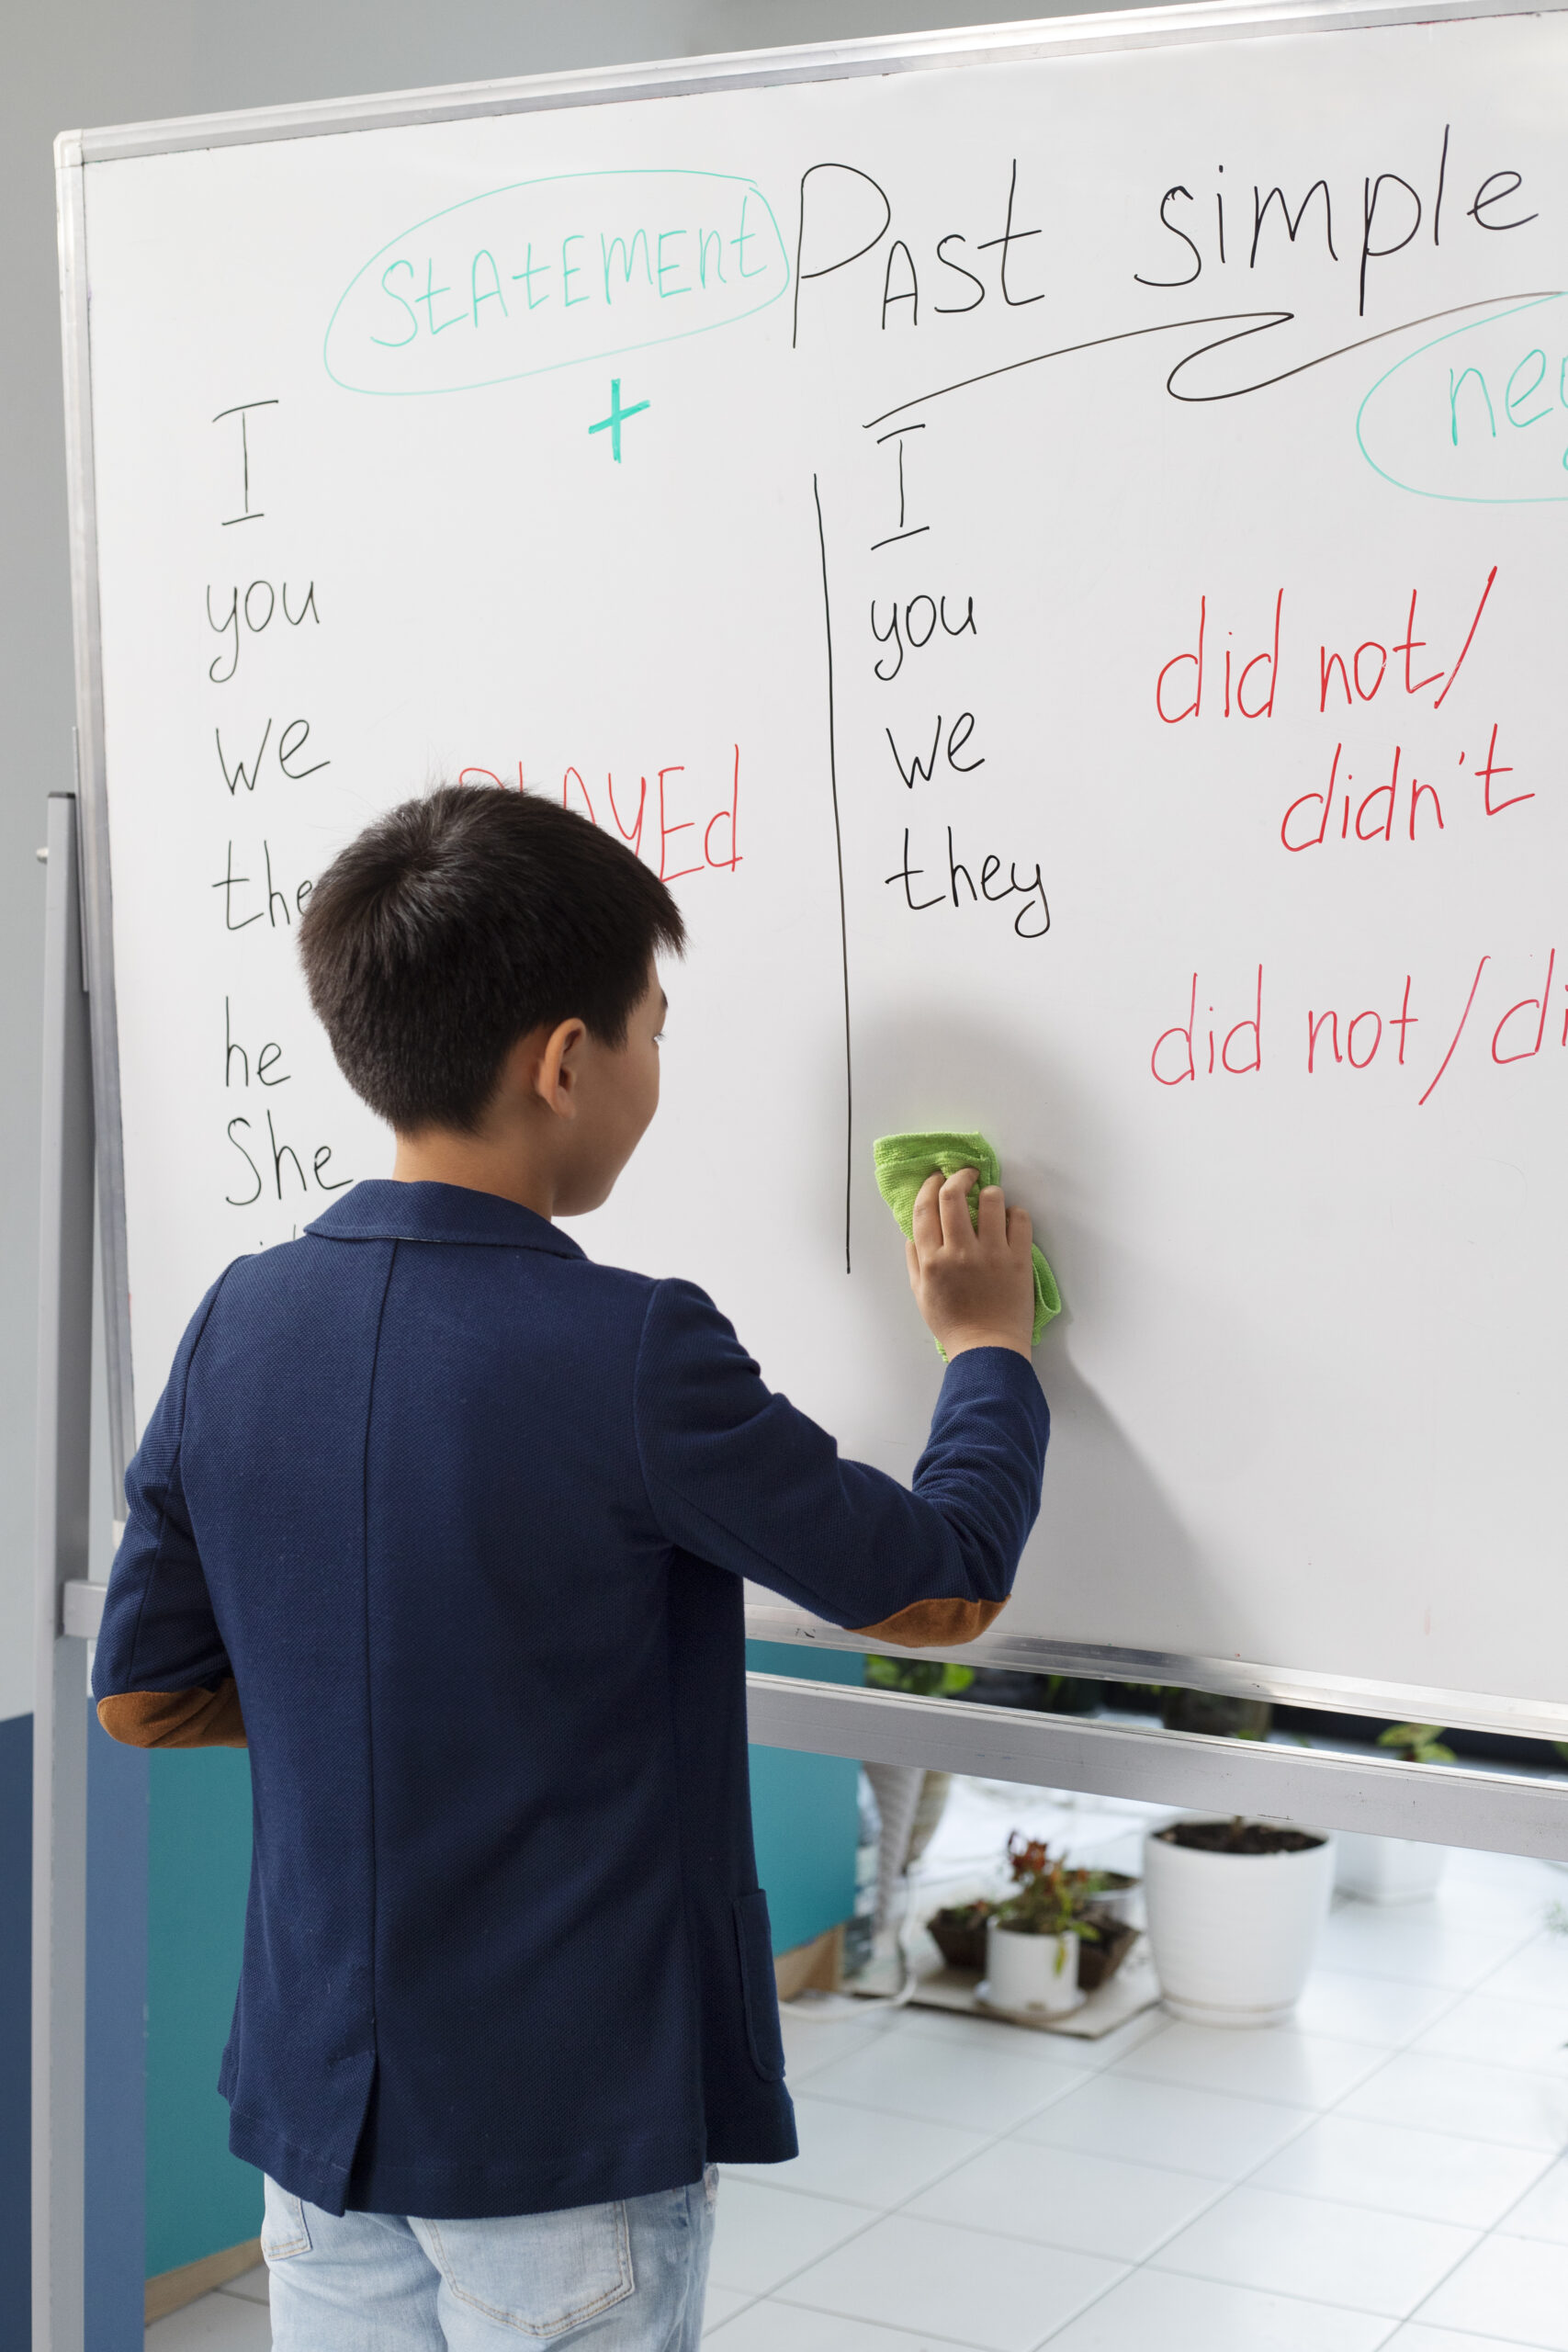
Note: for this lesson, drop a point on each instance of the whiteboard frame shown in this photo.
(1206, 21)
(1160, 28)
(1376, 1796)
(92, 801)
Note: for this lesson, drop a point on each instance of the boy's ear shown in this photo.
(556, 1074)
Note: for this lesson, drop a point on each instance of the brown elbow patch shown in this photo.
(175, 1718)
(935, 1625)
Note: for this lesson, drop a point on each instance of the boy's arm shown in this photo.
(737, 1476)
(161, 1675)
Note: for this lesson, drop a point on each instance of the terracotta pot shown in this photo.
(1026, 1972)
(1233, 1935)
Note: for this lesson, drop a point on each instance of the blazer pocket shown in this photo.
(758, 1987)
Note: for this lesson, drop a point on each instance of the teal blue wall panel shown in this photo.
(16, 1997)
(115, 1991)
(115, 2174)
(804, 1810)
(199, 2198)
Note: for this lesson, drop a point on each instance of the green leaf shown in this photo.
(1417, 1743)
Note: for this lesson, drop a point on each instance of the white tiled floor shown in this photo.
(1385, 2174)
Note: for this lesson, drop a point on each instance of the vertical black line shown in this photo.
(1442, 176)
(839, 851)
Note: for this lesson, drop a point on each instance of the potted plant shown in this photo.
(1395, 1870)
(1033, 1937)
(959, 1933)
(1235, 1909)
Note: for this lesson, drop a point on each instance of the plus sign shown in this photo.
(617, 417)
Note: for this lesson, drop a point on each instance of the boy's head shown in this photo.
(460, 925)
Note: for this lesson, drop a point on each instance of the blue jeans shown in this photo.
(623, 2277)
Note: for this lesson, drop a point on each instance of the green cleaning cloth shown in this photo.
(903, 1163)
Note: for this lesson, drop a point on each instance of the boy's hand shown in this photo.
(975, 1289)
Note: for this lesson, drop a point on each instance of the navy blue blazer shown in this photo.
(449, 1525)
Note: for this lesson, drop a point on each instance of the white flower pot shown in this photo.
(1387, 1870)
(1233, 1935)
(1038, 1972)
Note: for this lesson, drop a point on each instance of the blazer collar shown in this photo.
(381, 1210)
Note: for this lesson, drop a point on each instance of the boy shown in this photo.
(449, 1525)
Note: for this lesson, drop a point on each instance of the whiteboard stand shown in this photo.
(1512, 1813)
(60, 1723)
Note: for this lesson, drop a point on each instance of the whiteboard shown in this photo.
(1052, 544)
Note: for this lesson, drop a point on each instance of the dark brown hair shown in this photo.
(457, 923)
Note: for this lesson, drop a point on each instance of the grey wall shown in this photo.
(73, 62)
